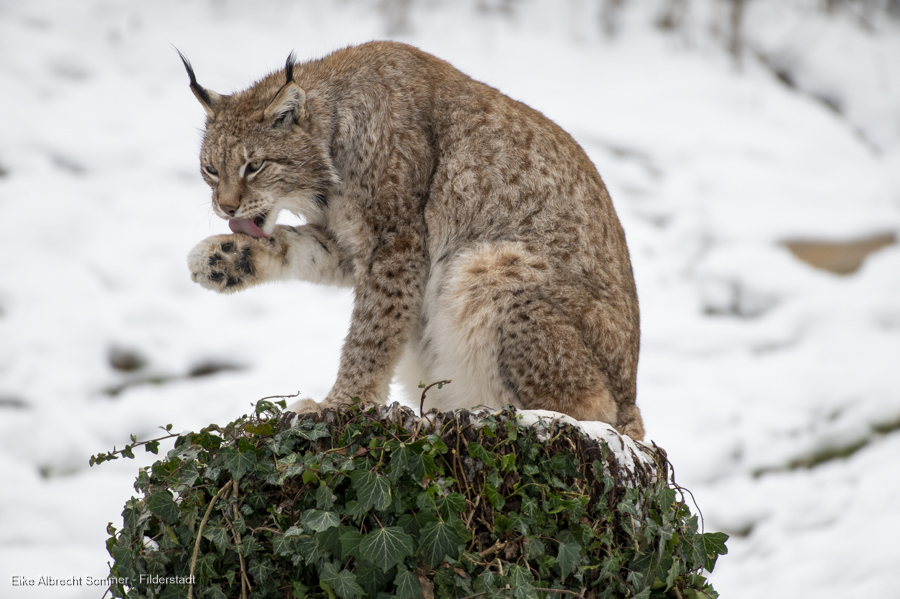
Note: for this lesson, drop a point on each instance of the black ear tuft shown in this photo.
(198, 90)
(289, 68)
(289, 103)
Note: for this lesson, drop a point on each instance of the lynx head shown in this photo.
(262, 152)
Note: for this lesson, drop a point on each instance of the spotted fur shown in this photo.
(480, 242)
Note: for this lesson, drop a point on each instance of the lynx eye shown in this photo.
(211, 170)
(252, 167)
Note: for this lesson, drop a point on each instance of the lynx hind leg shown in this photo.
(546, 356)
(545, 361)
(630, 422)
(226, 263)
(501, 327)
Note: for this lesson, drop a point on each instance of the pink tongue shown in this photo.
(245, 225)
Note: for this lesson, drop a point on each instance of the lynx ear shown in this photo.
(210, 100)
(289, 104)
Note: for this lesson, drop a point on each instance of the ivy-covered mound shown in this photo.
(377, 502)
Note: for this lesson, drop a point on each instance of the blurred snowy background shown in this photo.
(753, 157)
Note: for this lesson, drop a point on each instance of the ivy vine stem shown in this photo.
(422, 401)
(209, 510)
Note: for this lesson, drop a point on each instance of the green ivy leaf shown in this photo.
(512, 430)
(421, 465)
(486, 583)
(477, 451)
(508, 462)
(439, 539)
(329, 539)
(494, 496)
(237, 462)
(324, 499)
(534, 547)
(308, 548)
(263, 429)
(262, 406)
(317, 520)
(568, 557)
(673, 574)
(217, 535)
(163, 505)
(282, 545)
(530, 507)
(610, 568)
(712, 544)
(355, 510)
(399, 462)
(437, 443)
(318, 431)
(520, 580)
(372, 579)
(293, 531)
(375, 492)
(189, 474)
(453, 504)
(386, 547)
(214, 592)
(360, 478)
(407, 585)
(343, 582)
(249, 546)
(206, 567)
(260, 570)
(206, 439)
(350, 541)
(124, 561)
(645, 594)
(412, 523)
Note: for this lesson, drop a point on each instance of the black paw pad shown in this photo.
(244, 263)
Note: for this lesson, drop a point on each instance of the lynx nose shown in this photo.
(229, 205)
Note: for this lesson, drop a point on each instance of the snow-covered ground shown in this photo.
(752, 361)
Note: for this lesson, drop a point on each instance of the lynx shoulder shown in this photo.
(478, 238)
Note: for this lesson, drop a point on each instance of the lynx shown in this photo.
(478, 238)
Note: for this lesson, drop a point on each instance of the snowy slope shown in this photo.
(751, 360)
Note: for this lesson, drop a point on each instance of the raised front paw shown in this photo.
(227, 263)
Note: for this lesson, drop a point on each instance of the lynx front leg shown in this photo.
(229, 263)
(388, 299)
